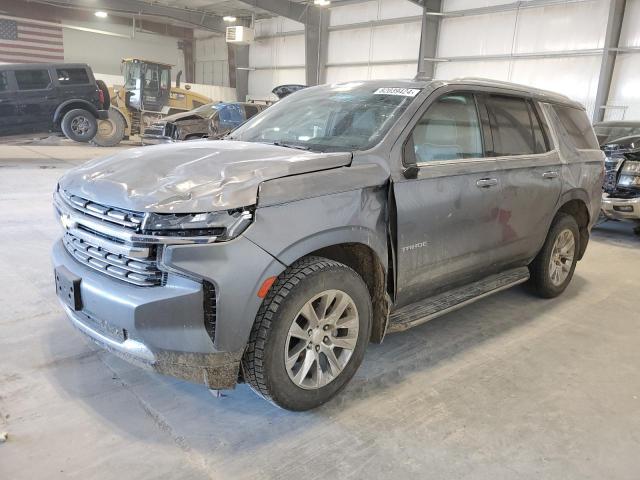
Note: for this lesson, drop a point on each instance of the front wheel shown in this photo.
(552, 269)
(79, 125)
(310, 334)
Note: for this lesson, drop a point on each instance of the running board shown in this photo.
(421, 312)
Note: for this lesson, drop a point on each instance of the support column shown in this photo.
(611, 42)
(239, 70)
(429, 37)
(316, 37)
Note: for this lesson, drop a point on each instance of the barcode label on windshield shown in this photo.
(403, 92)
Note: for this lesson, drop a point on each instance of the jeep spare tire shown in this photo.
(110, 130)
(79, 125)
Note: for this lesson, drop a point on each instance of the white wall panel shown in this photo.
(261, 82)
(398, 9)
(396, 42)
(275, 25)
(349, 46)
(625, 88)
(355, 13)
(104, 52)
(277, 51)
(451, 5)
(488, 34)
(495, 70)
(630, 35)
(570, 26)
(371, 72)
(578, 78)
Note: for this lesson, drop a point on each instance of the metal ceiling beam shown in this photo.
(611, 44)
(284, 8)
(505, 7)
(199, 19)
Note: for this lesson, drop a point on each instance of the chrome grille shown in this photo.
(142, 272)
(117, 216)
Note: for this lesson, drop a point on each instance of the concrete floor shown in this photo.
(510, 387)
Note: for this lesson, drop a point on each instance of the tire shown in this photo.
(105, 92)
(270, 341)
(79, 125)
(552, 269)
(110, 131)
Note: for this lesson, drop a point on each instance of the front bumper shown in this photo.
(158, 328)
(621, 208)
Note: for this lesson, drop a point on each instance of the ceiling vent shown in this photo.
(239, 35)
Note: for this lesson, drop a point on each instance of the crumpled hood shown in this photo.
(189, 177)
(178, 116)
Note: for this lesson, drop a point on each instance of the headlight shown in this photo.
(222, 225)
(630, 174)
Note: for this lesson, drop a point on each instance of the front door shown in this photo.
(38, 99)
(447, 217)
(9, 112)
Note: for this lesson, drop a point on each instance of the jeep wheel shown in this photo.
(79, 125)
(552, 269)
(110, 131)
(310, 334)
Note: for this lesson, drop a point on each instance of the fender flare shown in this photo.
(77, 103)
(335, 236)
(576, 194)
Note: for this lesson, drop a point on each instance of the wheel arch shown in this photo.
(361, 250)
(575, 203)
(72, 104)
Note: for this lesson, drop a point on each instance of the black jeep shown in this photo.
(39, 98)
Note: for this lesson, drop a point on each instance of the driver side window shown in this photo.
(448, 130)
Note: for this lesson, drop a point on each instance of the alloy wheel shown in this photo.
(562, 255)
(321, 339)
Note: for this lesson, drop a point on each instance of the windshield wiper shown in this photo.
(289, 145)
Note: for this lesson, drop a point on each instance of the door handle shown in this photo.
(550, 174)
(487, 182)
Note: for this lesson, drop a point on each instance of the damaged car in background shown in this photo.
(341, 214)
(621, 198)
(213, 120)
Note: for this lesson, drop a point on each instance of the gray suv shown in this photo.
(339, 215)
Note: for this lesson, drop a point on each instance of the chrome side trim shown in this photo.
(128, 347)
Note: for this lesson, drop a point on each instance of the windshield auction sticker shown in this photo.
(403, 92)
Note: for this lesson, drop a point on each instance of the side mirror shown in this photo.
(410, 170)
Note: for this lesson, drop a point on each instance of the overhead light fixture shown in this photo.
(229, 18)
(321, 3)
(101, 14)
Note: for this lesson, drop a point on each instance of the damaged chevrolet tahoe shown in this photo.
(339, 215)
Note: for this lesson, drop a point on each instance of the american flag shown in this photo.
(27, 41)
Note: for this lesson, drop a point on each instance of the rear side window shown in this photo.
(448, 130)
(577, 126)
(250, 110)
(4, 81)
(32, 79)
(72, 76)
(514, 126)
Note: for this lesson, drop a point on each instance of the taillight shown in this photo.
(101, 97)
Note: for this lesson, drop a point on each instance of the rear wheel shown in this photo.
(310, 334)
(79, 125)
(552, 269)
(111, 130)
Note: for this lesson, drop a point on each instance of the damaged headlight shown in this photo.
(224, 225)
(630, 174)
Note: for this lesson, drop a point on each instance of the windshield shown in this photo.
(609, 133)
(339, 117)
(131, 75)
(207, 110)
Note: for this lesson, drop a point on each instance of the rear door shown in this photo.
(9, 106)
(38, 99)
(529, 172)
(76, 82)
(447, 228)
